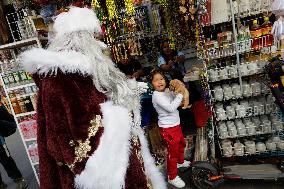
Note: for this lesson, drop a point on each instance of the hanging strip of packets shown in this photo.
(95, 4)
(111, 8)
(129, 6)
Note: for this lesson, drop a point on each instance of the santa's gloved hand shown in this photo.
(142, 87)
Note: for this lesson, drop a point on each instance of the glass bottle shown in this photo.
(15, 103)
(266, 28)
(22, 105)
(255, 34)
(28, 104)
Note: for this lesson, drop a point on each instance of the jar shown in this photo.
(250, 147)
(260, 147)
(270, 145)
(239, 149)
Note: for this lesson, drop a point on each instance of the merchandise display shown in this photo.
(21, 95)
(236, 48)
(238, 90)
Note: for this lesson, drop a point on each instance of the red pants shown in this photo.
(175, 146)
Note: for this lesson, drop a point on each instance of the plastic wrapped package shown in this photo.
(277, 7)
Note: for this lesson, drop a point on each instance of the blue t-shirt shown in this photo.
(179, 67)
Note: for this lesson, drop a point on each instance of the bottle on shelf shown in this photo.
(255, 32)
(28, 104)
(242, 36)
(15, 103)
(22, 105)
(266, 28)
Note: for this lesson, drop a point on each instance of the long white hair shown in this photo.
(106, 77)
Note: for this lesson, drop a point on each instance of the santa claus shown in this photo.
(89, 134)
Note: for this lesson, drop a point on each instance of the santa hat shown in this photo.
(76, 19)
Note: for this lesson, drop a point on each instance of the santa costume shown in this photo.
(89, 134)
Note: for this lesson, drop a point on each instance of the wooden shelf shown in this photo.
(19, 44)
(25, 95)
(20, 86)
(30, 139)
(26, 114)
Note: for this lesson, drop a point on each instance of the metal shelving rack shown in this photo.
(233, 51)
(213, 164)
(8, 90)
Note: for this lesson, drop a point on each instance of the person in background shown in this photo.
(171, 62)
(166, 104)
(7, 128)
(131, 67)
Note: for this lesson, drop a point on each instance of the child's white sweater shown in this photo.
(166, 104)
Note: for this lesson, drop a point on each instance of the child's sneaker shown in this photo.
(185, 164)
(177, 182)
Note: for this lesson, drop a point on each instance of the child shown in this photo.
(166, 104)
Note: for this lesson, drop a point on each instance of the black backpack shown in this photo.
(8, 125)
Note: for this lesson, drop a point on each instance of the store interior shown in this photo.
(225, 48)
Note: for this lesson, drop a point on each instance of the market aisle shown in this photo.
(17, 150)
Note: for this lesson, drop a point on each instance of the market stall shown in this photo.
(246, 131)
(235, 112)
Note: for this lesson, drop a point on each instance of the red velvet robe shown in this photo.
(67, 102)
(66, 105)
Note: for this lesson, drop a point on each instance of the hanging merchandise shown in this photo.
(4, 32)
(219, 11)
(95, 4)
(111, 8)
(205, 11)
(129, 7)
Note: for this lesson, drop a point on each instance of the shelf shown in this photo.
(256, 153)
(240, 15)
(241, 98)
(19, 44)
(20, 86)
(26, 114)
(31, 139)
(242, 117)
(256, 134)
(243, 76)
(229, 50)
(25, 95)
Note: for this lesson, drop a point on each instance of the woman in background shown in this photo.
(171, 62)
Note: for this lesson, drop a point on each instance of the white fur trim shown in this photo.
(76, 19)
(152, 172)
(48, 62)
(106, 168)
